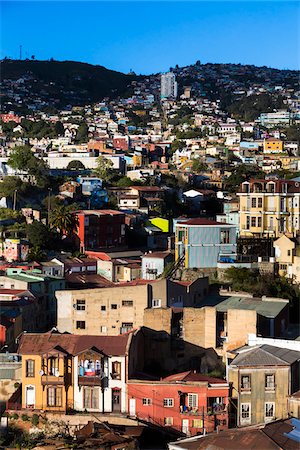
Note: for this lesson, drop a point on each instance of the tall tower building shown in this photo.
(168, 85)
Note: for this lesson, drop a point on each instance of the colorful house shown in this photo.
(62, 372)
(204, 242)
(189, 402)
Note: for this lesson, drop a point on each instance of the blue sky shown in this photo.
(152, 36)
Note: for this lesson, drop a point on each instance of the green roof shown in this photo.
(266, 308)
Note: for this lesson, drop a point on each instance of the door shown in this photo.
(116, 400)
(30, 397)
(132, 407)
(185, 426)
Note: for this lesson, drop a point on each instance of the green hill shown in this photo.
(65, 82)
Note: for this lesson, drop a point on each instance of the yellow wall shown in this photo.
(40, 390)
(163, 224)
(273, 146)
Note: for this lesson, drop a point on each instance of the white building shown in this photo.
(168, 85)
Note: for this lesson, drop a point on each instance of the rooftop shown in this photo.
(269, 309)
(266, 355)
(202, 222)
(40, 343)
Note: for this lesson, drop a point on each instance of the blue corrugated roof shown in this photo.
(295, 433)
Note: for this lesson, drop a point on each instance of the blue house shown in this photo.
(203, 242)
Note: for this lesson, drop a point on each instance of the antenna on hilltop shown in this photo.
(20, 51)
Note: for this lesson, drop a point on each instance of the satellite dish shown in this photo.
(41, 372)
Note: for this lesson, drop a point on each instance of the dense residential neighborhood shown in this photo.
(150, 256)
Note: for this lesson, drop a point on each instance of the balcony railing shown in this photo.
(217, 409)
(90, 380)
(53, 379)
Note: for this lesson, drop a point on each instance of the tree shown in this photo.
(59, 128)
(39, 235)
(124, 182)
(11, 184)
(242, 173)
(176, 145)
(21, 158)
(36, 254)
(198, 166)
(82, 133)
(104, 168)
(63, 220)
(75, 165)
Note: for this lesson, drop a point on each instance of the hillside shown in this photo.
(60, 83)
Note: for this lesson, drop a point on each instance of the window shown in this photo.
(80, 325)
(113, 306)
(193, 400)
(253, 202)
(253, 221)
(259, 202)
(269, 410)
(259, 221)
(147, 401)
(246, 382)
(80, 305)
(270, 381)
(225, 237)
(91, 398)
(168, 402)
(54, 396)
(126, 326)
(289, 252)
(127, 302)
(197, 423)
(29, 368)
(247, 222)
(168, 421)
(103, 308)
(245, 408)
(103, 329)
(156, 303)
(116, 370)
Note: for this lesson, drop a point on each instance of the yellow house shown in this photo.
(269, 208)
(62, 372)
(273, 145)
(287, 254)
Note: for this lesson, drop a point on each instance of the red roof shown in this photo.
(98, 212)
(40, 343)
(183, 283)
(193, 376)
(12, 291)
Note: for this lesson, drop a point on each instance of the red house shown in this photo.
(189, 402)
(99, 229)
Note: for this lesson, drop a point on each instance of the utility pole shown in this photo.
(49, 203)
(15, 199)
(20, 51)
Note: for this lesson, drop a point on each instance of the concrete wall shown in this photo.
(239, 324)
(199, 326)
(94, 316)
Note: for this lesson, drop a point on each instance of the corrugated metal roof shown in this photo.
(266, 355)
(268, 308)
(40, 343)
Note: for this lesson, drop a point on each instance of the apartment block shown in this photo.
(269, 208)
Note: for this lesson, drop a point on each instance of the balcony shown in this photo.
(53, 380)
(217, 409)
(151, 271)
(90, 380)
